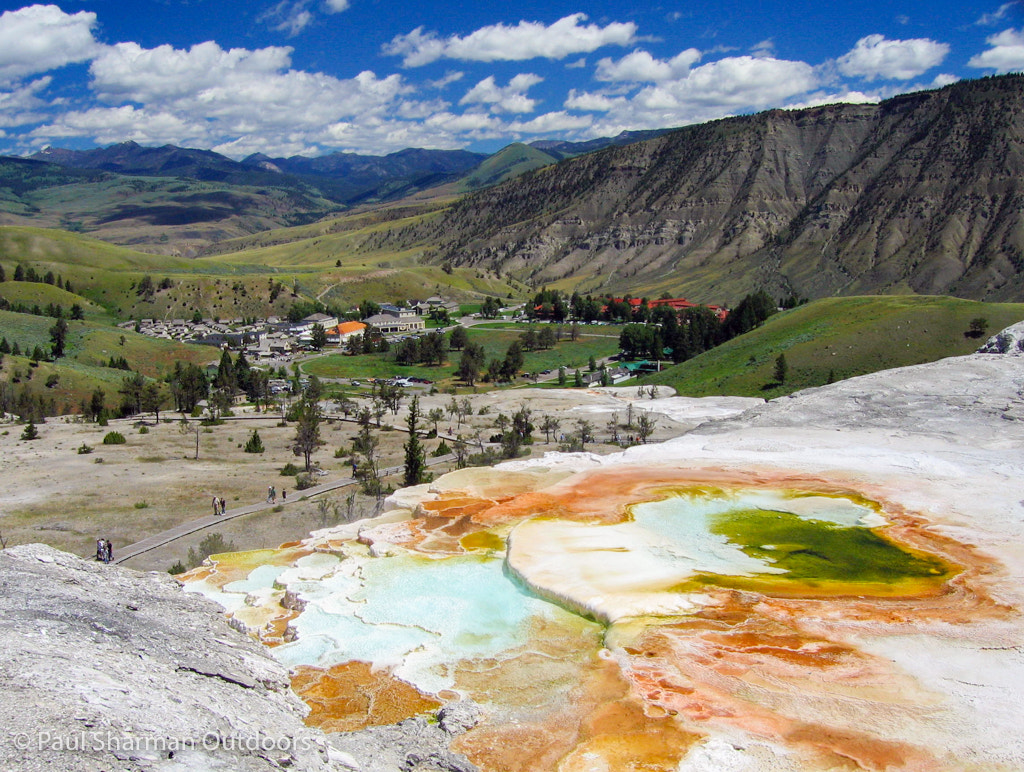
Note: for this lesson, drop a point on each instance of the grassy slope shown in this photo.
(843, 336)
(89, 347)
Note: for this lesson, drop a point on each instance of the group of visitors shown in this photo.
(219, 506)
(104, 551)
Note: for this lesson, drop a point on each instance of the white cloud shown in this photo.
(876, 57)
(594, 102)
(640, 66)
(447, 80)
(128, 71)
(208, 96)
(470, 121)
(1005, 55)
(116, 124)
(508, 99)
(18, 107)
(714, 90)
(41, 38)
(499, 42)
(289, 16)
(336, 6)
(991, 19)
(551, 122)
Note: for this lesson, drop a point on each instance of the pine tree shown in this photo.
(415, 462)
(781, 368)
(254, 444)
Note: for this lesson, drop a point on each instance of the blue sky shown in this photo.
(312, 77)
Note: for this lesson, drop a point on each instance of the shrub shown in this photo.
(143, 430)
(31, 432)
(289, 470)
(441, 450)
(177, 568)
(142, 505)
(114, 438)
(254, 443)
(83, 449)
(304, 481)
(213, 544)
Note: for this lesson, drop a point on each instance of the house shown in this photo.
(387, 324)
(340, 333)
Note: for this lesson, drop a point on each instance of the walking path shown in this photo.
(184, 529)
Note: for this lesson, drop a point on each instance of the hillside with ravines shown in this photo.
(920, 194)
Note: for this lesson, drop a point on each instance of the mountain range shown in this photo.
(922, 193)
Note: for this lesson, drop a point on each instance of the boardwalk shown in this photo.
(173, 534)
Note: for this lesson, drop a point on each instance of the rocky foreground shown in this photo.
(106, 668)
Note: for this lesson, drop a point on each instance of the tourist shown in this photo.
(101, 549)
(216, 506)
(108, 551)
(223, 506)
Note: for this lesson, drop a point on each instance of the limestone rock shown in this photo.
(107, 668)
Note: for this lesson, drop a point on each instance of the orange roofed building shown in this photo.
(336, 336)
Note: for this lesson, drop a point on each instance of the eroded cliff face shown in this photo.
(829, 581)
(920, 193)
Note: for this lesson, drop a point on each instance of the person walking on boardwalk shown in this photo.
(216, 506)
(223, 506)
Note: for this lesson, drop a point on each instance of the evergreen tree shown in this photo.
(318, 337)
(458, 339)
(471, 363)
(254, 443)
(781, 369)
(58, 336)
(225, 378)
(307, 430)
(31, 432)
(415, 462)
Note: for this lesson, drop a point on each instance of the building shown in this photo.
(387, 324)
(340, 333)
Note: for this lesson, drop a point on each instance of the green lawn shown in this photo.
(838, 338)
(495, 342)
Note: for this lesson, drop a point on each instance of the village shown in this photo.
(275, 340)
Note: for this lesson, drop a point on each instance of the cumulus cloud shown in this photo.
(500, 42)
(19, 106)
(209, 96)
(336, 6)
(508, 99)
(128, 71)
(583, 100)
(640, 66)
(551, 122)
(876, 57)
(713, 90)
(1005, 55)
(40, 38)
